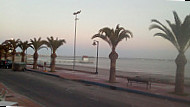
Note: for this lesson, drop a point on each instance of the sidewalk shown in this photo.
(22, 100)
(158, 90)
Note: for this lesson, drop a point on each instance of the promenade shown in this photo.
(20, 99)
(87, 75)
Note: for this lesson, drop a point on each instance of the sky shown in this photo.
(26, 19)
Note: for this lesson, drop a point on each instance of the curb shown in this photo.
(136, 91)
(119, 88)
(75, 70)
(50, 74)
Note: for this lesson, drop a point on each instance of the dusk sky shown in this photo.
(26, 19)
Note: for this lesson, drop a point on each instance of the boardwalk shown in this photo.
(53, 91)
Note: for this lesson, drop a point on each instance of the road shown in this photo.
(52, 91)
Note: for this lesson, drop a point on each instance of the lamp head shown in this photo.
(94, 43)
(75, 13)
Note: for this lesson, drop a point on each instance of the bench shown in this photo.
(139, 80)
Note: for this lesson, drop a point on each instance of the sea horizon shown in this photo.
(147, 58)
(146, 65)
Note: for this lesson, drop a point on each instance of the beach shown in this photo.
(158, 70)
(151, 66)
(160, 78)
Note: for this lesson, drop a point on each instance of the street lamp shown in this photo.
(75, 13)
(96, 43)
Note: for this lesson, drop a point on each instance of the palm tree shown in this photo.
(23, 46)
(113, 37)
(54, 44)
(13, 44)
(1, 51)
(36, 45)
(6, 47)
(179, 36)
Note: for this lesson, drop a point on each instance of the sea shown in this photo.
(144, 65)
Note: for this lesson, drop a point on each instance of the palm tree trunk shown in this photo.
(23, 54)
(13, 58)
(53, 57)
(35, 56)
(179, 80)
(113, 57)
(5, 56)
(0, 56)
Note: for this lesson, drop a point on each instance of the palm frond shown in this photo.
(176, 33)
(13, 43)
(124, 34)
(179, 35)
(43, 47)
(177, 20)
(105, 30)
(162, 35)
(170, 35)
(165, 29)
(24, 45)
(155, 26)
(187, 46)
(32, 47)
(54, 44)
(36, 44)
(185, 29)
(103, 37)
(39, 39)
(118, 29)
(181, 31)
(111, 36)
(186, 24)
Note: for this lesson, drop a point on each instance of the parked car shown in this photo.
(6, 64)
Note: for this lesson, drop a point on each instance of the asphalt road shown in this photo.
(52, 91)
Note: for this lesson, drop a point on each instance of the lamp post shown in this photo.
(75, 13)
(97, 44)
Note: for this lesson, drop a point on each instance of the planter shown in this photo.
(21, 66)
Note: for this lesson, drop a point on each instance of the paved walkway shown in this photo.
(22, 100)
(102, 78)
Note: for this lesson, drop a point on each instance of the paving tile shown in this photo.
(22, 100)
(157, 88)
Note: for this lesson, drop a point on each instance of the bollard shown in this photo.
(45, 66)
